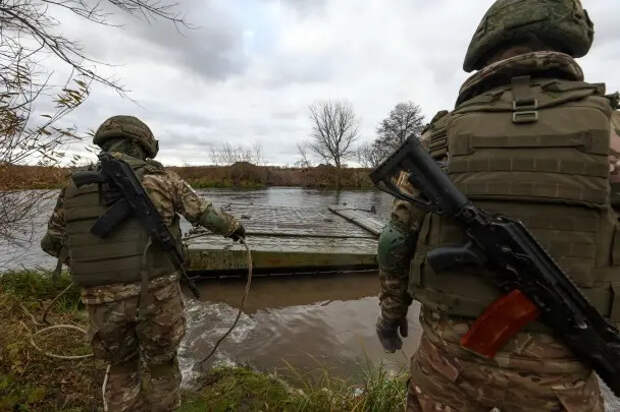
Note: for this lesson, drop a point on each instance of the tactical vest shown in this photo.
(535, 150)
(123, 255)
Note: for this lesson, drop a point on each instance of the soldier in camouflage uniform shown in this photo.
(137, 332)
(530, 139)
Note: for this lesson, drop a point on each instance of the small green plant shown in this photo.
(36, 285)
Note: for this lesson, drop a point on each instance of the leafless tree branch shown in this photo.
(29, 135)
(334, 130)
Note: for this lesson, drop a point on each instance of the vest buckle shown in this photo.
(529, 116)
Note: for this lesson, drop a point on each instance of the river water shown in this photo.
(309, 324)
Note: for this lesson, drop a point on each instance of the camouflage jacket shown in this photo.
(170, 195)
(407, 219)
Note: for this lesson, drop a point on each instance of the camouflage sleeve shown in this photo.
(396, 248)
(199, 211)
(53, 241)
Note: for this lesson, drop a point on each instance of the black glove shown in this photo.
(238, 234)
(387, 331)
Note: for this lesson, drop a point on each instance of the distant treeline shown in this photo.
(239, 175)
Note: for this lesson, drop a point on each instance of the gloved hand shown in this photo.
(238, 234)
(388, 333)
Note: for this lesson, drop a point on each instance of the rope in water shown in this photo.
(248, 284)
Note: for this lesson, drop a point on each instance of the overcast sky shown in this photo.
(248, 71)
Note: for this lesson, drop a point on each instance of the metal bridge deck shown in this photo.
(291, 240)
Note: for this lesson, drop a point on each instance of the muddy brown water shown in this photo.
(311, 324)
(319, 323)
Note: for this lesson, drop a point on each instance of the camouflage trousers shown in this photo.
(141, 347)
(533, 372)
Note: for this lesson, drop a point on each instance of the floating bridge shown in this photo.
(290, 240)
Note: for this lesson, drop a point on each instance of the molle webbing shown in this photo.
(467, 291)
(558, 156)
(438, 139)
(548, 168)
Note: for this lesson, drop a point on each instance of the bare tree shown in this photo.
(258, 158)
(227, 154)
(404, 120)
(304, 159)
(334, 130)
(29, 28)
(369, 155)
(28, 135)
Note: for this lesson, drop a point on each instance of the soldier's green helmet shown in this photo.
(563, 25)
(127, 127)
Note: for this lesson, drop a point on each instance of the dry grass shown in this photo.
(31, 177)
(239, 175)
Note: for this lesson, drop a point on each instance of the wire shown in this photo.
(105, 383)
(54, 355)
(48, 328)
(46, 312)
(241, 306)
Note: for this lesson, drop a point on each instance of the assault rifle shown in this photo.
(536, 286)
(133, 201)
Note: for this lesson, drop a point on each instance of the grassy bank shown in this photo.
(31, 381)
(239, 175)
(243, 389)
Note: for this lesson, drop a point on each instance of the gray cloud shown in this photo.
(213, 49)
(249, 71)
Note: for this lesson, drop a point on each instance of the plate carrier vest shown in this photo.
(123, 255)
(535, 150)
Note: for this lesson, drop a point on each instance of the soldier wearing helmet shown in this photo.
(530, 139)
(124, 330)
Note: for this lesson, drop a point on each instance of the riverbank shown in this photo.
(31, 381)
(240, 175)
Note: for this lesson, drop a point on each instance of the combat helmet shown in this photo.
(564, 25)
(127, 127)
